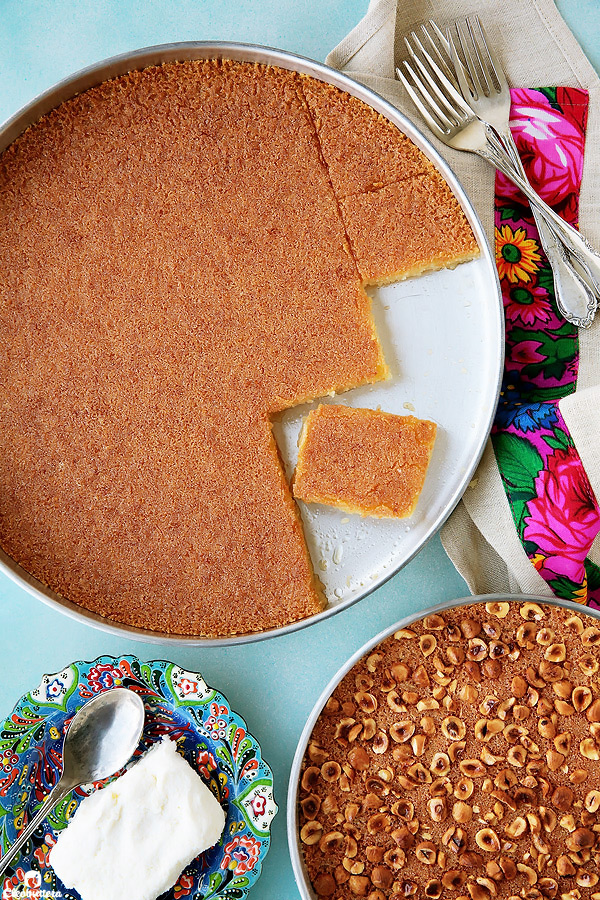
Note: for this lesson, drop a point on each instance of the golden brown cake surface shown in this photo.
(461, 759)
(363, 460)
(173, 270)
(401, 217)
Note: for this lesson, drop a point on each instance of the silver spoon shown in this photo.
(99, 741)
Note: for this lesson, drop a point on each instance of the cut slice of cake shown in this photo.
(363, 460)
(400, 216)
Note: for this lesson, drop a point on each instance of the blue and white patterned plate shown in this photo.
(213, 739)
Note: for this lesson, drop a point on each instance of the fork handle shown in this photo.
(574, 296)
(582, 253)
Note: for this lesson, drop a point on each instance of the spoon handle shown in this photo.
(60, 789)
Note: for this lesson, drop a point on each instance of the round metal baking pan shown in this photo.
(295, 847)
(442, 335)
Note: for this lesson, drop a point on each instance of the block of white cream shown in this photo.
(132, 839)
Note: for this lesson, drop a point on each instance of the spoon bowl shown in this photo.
(100, 739)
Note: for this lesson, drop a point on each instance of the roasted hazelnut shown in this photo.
(330, 771)
(403, 837)
(455, 749)
(462, 812)
(427, 643)
(332, 842)
(562, 742)
(417, 743)
(395, 857)
(402, 731)
(477, 650)
(485, 729)
(394, 702)
(455, 655)
(554, 759)
(369, 729)
(492, 668)
(311, 832)
(426, 852)
(548, 887)
(477, 891)
(593, 712)
(324, 884)
(366, 701)
(453, 879)
(548, 818)
(433, 889)
(581, 698)
(310, 778)
(516, 828)
(472, 670)
(487, 839)
(310, 806)
(380, 742)
(382, 877)
(509, 867)
(516, 756)
(564, 866)
(359, 885)
(463, 788)
(359, 759)
(404, 809)
(531, 612)
(588, 664)
(589, 749)
(586, 879)
(374, 853)
(470, 628)
(578, 776)
(472, 768)
(453, 728)
(437, 808)
(546, 727)
(581, 839)
(498, 608)
(440, 764)
(529, 873)
(378, 823)
(590, 637)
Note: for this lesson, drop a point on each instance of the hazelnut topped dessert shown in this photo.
(460, 759)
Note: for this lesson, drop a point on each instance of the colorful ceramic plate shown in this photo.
(213, 739)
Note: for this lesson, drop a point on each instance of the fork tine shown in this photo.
(465, 48)
(425, 103)
(444, 90)
(435, 94)
(437, 42)
(494, 63)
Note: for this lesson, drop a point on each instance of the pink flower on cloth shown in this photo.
(551, 146)
(564, 518)
(527, 303)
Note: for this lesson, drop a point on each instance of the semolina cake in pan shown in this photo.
(182, 256)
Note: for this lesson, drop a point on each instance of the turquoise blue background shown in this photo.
(274, 683)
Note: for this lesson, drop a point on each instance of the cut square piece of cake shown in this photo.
(131, 839)
(363, 460)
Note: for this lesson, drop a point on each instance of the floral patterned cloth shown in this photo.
(553, 505)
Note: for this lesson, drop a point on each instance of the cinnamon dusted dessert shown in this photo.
(460, 759)
(363, 461)
(180, 259)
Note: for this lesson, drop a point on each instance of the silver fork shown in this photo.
(484, 86)
(431, 79)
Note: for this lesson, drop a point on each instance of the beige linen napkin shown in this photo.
(537, 49)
